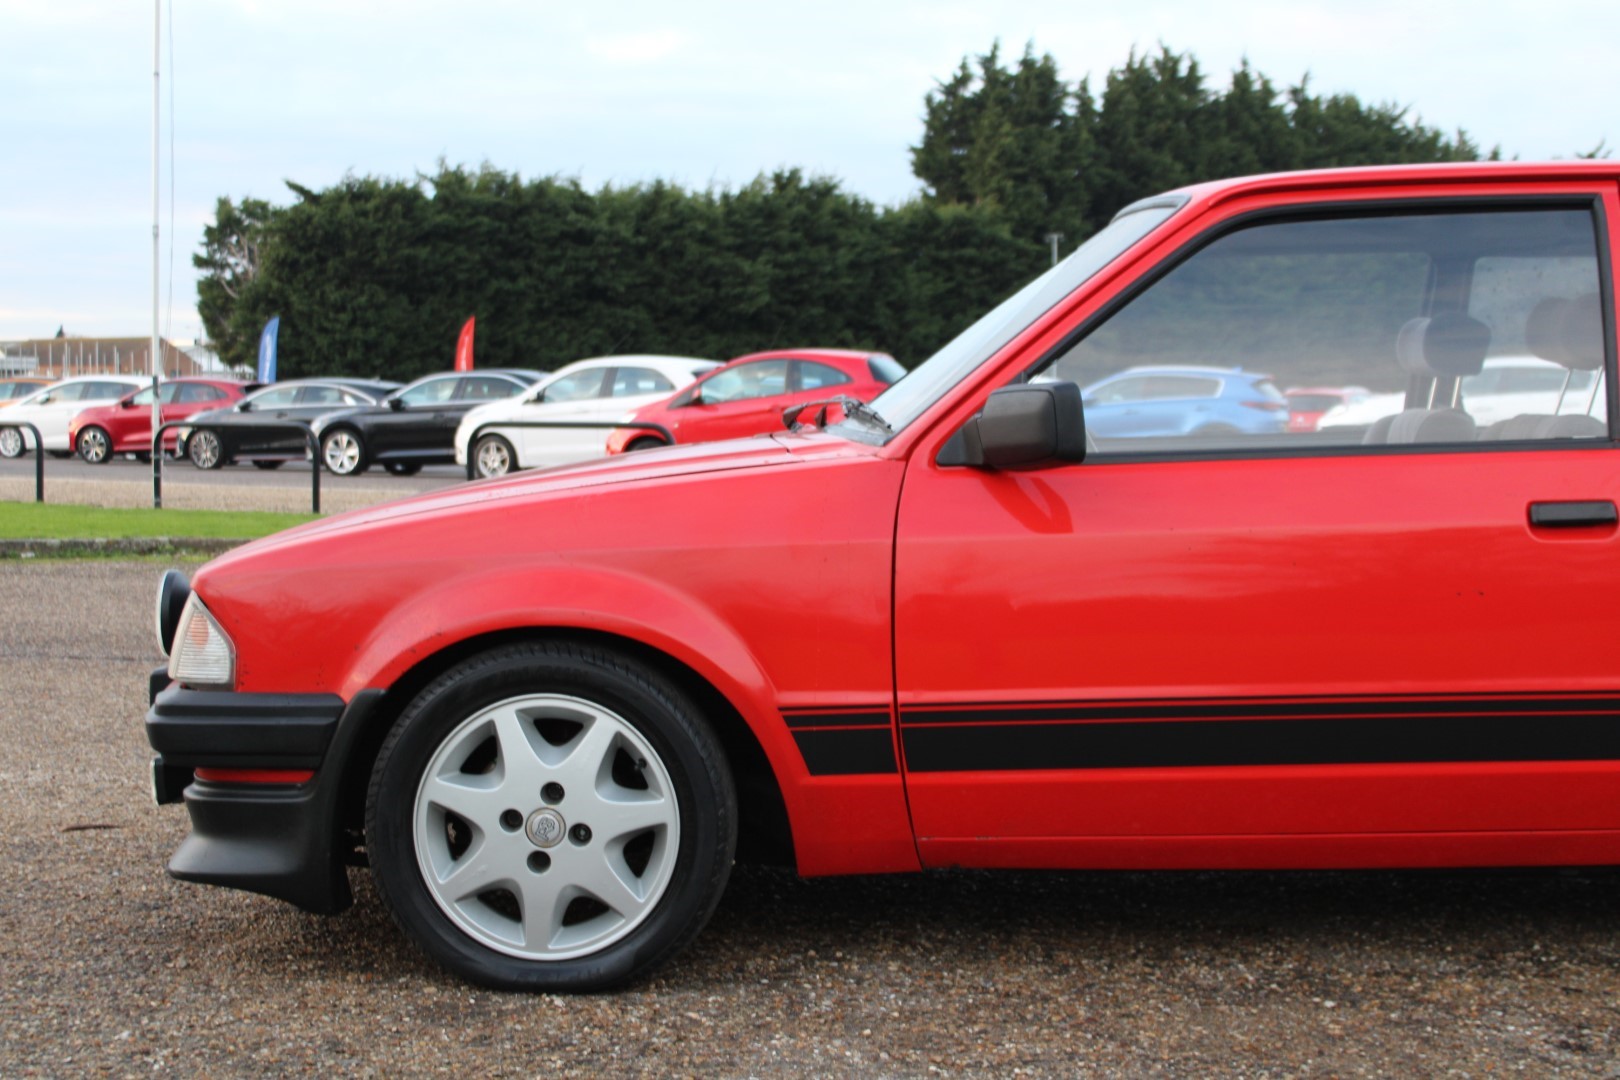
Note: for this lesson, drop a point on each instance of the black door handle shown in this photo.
(1567, 515)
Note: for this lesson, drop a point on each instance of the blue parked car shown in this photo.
(1171, 401)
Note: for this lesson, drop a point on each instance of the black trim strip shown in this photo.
(835, 718)
(1256, 709)
(848, 751)
(1576, 729)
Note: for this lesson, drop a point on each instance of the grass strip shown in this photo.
(61, 521)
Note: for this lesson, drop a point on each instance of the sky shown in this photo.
(701, 94)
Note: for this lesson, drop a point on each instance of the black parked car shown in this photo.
(413, 426)
(220, 436)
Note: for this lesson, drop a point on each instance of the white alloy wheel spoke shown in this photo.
(521, 763)
(482, 866)
(544, 905)
(480, 806)
(600, 877)
(613, 818)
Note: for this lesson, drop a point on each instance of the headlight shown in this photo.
(202, 654)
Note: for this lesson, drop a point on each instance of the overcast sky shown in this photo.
(625, 91)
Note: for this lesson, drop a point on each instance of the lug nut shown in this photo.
(552, 793)
(511, 820)
(580, 834)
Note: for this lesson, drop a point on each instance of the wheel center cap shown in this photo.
(546, 828)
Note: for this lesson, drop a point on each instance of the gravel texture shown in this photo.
(110, 967)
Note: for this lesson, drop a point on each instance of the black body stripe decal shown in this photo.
(847, 751)
(824, 718)
(1299, 731)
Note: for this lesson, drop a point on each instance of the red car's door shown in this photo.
(1293, 649)
(742, 400)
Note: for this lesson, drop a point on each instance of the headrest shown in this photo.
(1567, 332)
(1446, 346)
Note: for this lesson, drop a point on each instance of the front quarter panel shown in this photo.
(773, 584)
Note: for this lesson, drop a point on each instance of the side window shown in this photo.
(321, 395)
(279, 398)
(761, 378)
(70, 392)
(629, 381)
(432, 392)
(486, 388)
(191, 393)
(576, 386)
(1455, 327)
(814, 376)
(171, 392)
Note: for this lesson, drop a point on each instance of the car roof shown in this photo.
(1218, 191)
(812, 353)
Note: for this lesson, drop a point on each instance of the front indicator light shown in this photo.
(201, 653)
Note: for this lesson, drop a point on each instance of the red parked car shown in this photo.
(746, 396)
(952, 629)
(1307, 404)
(126, 426)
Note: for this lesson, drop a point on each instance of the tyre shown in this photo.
(551, 817)
(12, 442)
(402, 468)
(261, 463)
(343, 452)
(494, 456)
(647, 443)
(205, 449)
(95, 446)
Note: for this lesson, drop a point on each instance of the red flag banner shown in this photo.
(464, 346)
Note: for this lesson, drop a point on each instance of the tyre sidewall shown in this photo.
(669, 723)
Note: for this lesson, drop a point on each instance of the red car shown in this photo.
(126, 427)
(1307, 404)
(952, 629)
(746, 396)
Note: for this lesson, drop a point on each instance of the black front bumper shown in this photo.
(280, 839)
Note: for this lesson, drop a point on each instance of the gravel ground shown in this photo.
(110, 967)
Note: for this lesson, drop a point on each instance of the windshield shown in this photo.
(908, 399)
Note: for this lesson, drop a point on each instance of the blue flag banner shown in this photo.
(267, 350)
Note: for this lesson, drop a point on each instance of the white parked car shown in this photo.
(1512, 386)
(52, 408)
(602, 390)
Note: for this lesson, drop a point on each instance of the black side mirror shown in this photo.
(244, 406)
(397, 404)
(126, 403)
(1031, 424)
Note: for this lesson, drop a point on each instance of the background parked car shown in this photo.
(415, 425)
(596, 390)
(125, 427)
(1514, 385)
(52, 408)
(748, 394)
(1146, 401)
(13, 390)
(220, 436)
(1306, 404)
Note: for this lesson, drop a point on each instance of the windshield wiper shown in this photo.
(854, 409)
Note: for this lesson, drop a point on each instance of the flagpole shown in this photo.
(157, 355)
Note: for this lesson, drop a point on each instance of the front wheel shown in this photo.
(12, 443)
(551, 817)
(494, 456)
(343, 452)
(647, 443)
(95, 446)
(205, 450)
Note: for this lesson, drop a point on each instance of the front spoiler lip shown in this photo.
(281, 840)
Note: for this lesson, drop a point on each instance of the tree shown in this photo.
(229, 259)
